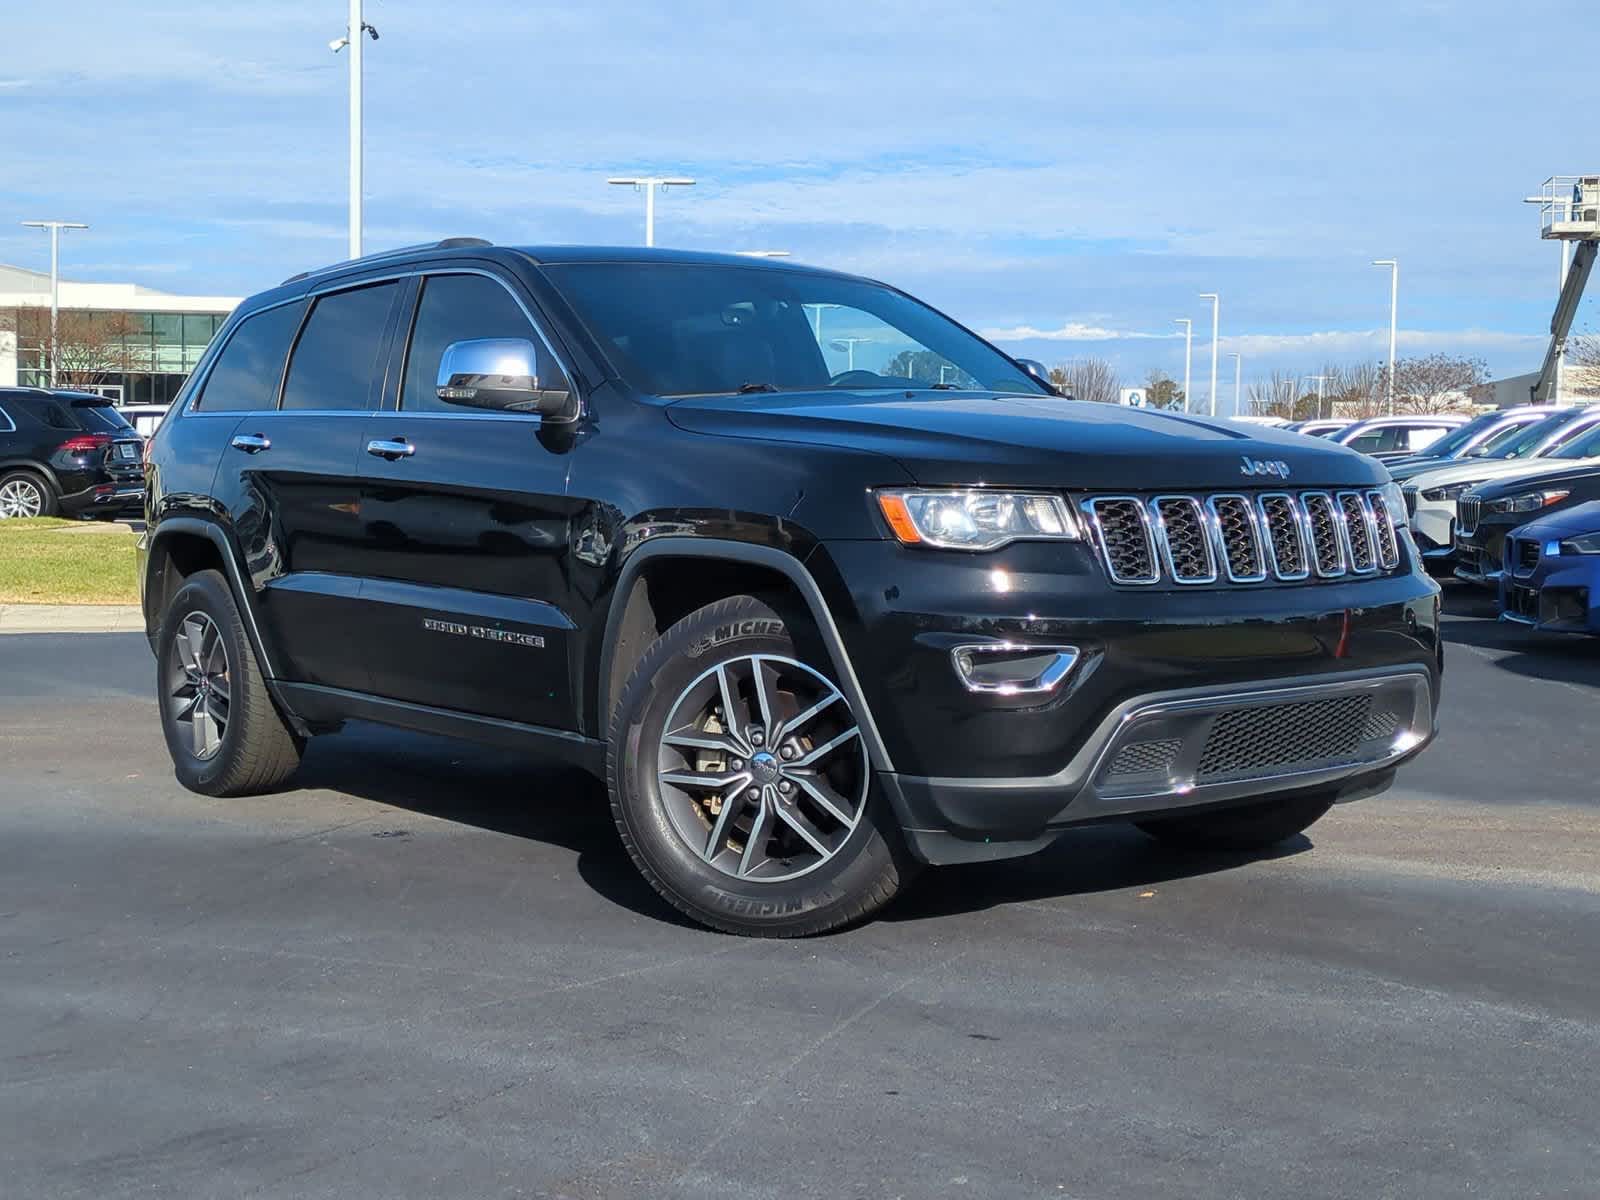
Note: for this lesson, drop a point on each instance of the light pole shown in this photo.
(1188, 356)
(1216, 304)
(1238, 369)
(55, 228)
(648, 184)
(848, 345)
(1394, 312)
(352, 39)
(1321, 379)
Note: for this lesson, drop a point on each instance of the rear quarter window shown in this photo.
(250, 366)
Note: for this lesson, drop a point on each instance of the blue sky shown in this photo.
(1065, 176)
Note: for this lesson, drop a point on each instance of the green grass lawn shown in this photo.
(44, 560)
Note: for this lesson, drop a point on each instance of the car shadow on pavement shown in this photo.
(1471, 618)
(1096, 858)
(501, 791)
(507, 792)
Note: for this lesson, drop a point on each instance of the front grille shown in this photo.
(1468, 509)
(1125, 539)
(1276, 738)
(1363, 558)
(1185, 539)
(1410, 495)
(1276, 535)
(1526, 557)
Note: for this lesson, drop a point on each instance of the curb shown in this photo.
(71, 618)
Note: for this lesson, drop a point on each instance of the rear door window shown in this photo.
(1376, 441)
(456, 308)
(1420, 437)
(251, 364)
(334, 361)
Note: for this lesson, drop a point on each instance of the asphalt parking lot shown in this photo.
(431, 971)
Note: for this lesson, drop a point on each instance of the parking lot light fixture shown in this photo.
(1238, 369)
(1188, 356)
(55, 228)
(1394, 310)
(1216, 304)
(648, 185)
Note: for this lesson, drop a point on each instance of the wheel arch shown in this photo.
(180, 546)
(34, 465)
(651, 595)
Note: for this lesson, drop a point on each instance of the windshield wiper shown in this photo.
(747, 388)
(943, 387)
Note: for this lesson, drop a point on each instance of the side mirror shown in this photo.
(1040, 372)
(500, 374)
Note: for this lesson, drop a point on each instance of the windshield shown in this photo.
(1452, 442)
(684, 329)
(1585, 444)
(1529, 438)
(1502, 438)
(100, 418)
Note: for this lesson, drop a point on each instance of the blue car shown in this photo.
(1552, 572)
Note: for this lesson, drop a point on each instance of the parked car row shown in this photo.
(71, 453)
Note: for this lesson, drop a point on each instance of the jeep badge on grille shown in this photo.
(1275, 467)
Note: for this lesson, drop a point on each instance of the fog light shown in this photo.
(1011, 668)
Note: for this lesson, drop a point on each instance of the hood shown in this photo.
(1039, 441)
(1481, 471)
(1581, 476)
(1571, 522)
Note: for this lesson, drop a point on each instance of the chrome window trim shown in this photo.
(1367, 523)
(1302, 524)
(1256, 532)
(1164, 540)
(1090, 510)
(312, 294)
(219, 344)
(10, 425)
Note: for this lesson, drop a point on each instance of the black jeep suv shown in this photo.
(821, 583)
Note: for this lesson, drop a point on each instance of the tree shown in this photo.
(90, 346)
(1279, 396)
(1087, 379)
(1582, 377)
(1434, 383)
(1353, 390)
(1162, 391)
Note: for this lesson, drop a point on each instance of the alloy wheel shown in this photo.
(20, 498)
(198, 688)
(762, 769)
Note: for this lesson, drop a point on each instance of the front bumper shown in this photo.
(1433, 526)
(1562, 595)
(1480, 555)
(991, 774)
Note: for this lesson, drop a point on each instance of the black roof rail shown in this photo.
(449, 243)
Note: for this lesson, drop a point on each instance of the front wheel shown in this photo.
(1248, 827)
(740, 782)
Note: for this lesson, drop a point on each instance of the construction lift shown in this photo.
(1569, 211)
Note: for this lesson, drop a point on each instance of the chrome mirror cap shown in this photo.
(502, 374)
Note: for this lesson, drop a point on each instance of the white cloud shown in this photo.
(1072, 331)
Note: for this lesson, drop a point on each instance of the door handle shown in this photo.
(251, 443)
(391, 449)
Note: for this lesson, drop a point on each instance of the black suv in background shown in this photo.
(67, 452)
(822, 584)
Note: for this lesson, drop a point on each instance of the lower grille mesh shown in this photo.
(1277, 737)
(1143, 758)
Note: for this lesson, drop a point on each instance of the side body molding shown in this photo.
(671, 546)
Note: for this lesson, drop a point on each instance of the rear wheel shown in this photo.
(740, 782)
(224, 735)
(25, 494)
(1249, 827)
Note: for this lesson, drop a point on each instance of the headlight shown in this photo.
(1449, 492)
(1527, 502)
(1589, 543)
(975, 518)
(1395, 500)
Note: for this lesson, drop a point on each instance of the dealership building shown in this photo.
(157, 337)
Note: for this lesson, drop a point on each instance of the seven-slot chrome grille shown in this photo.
(1238, 538)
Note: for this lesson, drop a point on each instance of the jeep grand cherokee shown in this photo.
(823, 585)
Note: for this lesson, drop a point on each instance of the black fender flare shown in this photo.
(242, 596)
(770, 557)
